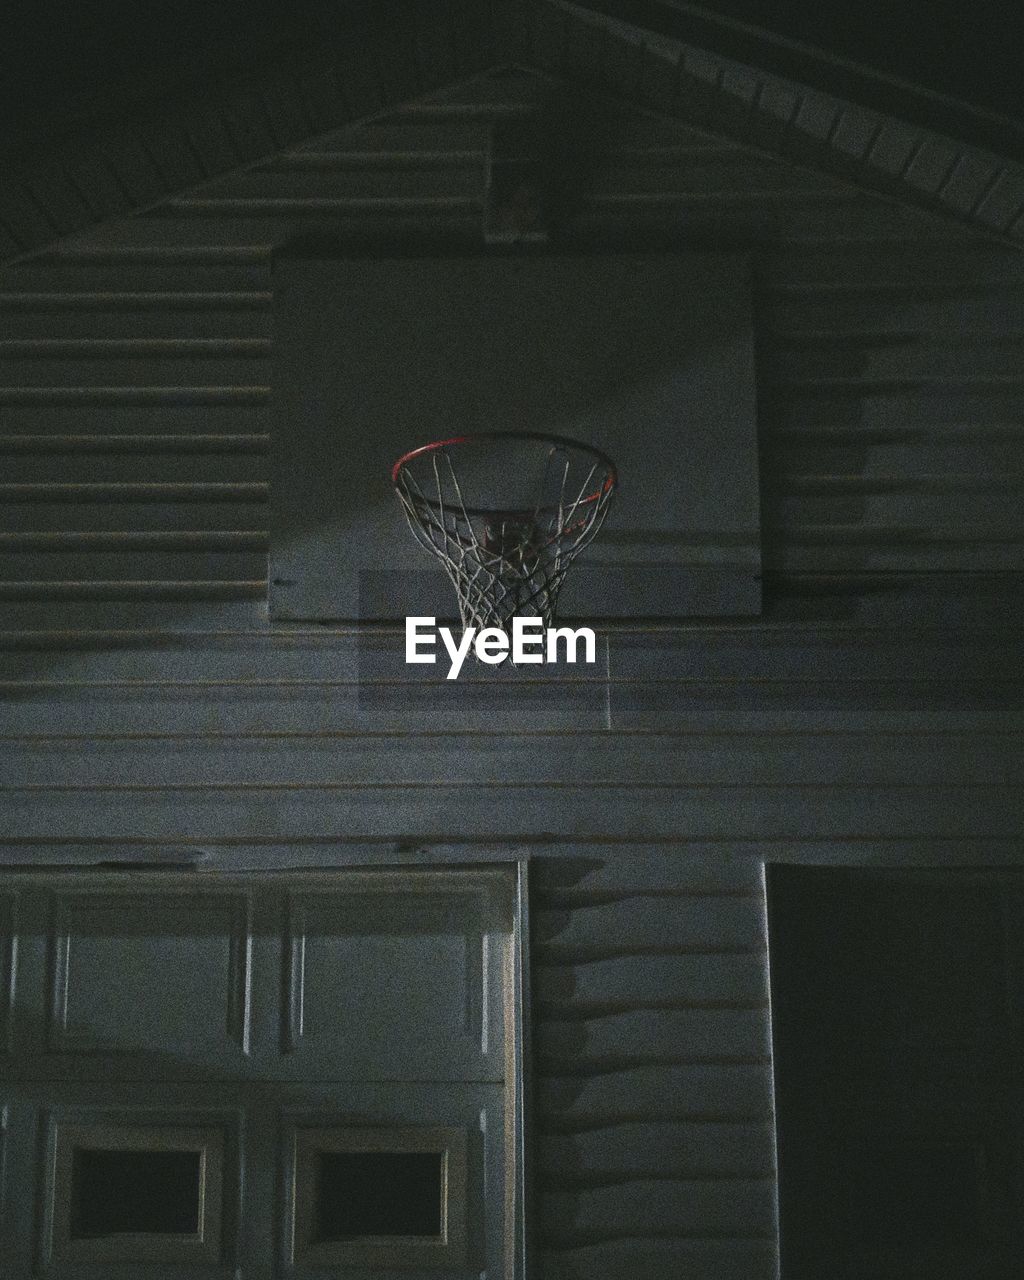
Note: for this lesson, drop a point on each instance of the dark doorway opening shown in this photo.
(896, 1012)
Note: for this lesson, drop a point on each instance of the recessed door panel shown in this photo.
(161, 973)
(401, 983)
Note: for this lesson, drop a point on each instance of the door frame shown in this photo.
(240, 862)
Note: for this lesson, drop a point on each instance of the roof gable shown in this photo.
(393, 54)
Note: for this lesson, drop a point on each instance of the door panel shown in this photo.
(400, 984)
(154, 971)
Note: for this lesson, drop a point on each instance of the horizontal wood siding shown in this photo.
(874, 715)
(654, 1147)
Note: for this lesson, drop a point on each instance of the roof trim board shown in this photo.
(792, 120)
(755, 45)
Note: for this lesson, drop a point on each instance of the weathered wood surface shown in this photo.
(487, 813)
(686, 1150)
(662, 980)
(641, 1258)
(669, 1095)
(719, 1208)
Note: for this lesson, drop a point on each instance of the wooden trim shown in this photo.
(8, 971)
(823, 131)
(521, 1215)
(295, 972)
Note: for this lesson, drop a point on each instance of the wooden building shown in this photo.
(282, 917)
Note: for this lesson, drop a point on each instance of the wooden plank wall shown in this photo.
(872, 716)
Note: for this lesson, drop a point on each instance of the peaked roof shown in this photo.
(147, 148)
(941, 63)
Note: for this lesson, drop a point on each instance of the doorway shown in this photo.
(896, 1011)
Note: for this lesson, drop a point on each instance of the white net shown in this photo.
(506, 562)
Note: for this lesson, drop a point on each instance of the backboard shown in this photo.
(648, 357)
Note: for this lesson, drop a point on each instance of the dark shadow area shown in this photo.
(948, 66)
(135, 1193)
(896, 1015)
(58, 60)
(60, 63)
(378, 1193)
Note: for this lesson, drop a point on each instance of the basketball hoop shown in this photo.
(508, 559)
